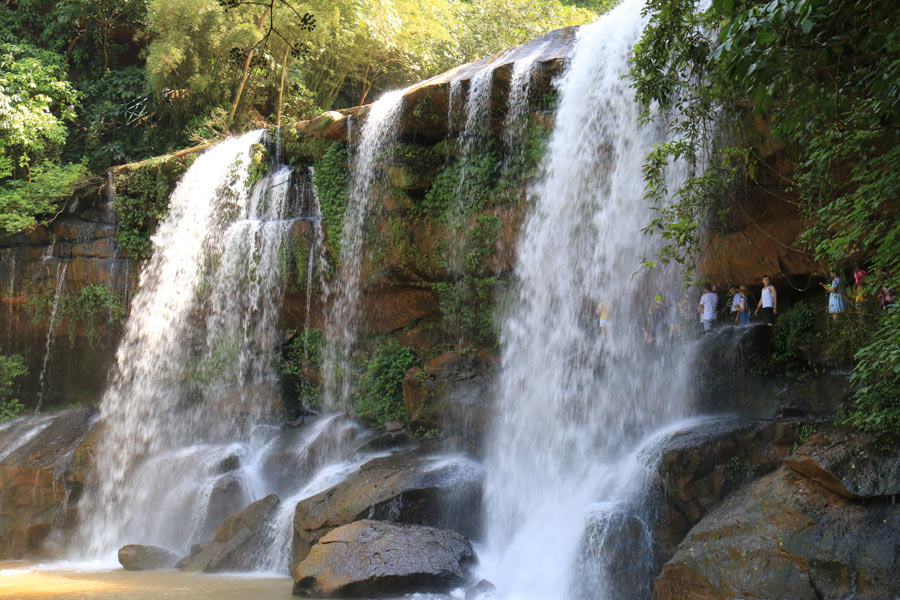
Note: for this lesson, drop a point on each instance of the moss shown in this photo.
(331, 179)
(380, 392)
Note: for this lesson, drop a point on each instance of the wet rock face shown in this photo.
(445, 492)
(38, 479)
(853, 464)
(375, 558)
(137, 557)
(235, 542)
(788, 536)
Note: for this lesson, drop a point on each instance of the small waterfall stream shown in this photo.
(578, 390)
(342, 322)
(45, 362)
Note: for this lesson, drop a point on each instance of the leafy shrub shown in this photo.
(876, 377)
(380, 392)
(11, 367)
(25, 203)
(795, 327)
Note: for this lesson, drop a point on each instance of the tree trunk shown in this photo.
(287, 50)
(240, 90)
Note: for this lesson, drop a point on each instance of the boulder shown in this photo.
(406, 488)
(138, 557)
(375, 558)
(785, 536)
(235, 542)
(850, 463)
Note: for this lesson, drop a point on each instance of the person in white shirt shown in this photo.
(707, 307)
(768, 301)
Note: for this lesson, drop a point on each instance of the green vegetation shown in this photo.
(877, 378)
(301, 359)
(85, 85)
(11, 367)
(142, 200)
(88, 308)
(380, 391)
(331, 178)
(820, 76)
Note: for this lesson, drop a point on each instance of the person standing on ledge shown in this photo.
(835, 295)
(768, 301)
(707, 307)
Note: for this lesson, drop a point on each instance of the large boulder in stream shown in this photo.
(38, 489)
(138, 557)
(406, 488)
(236, 541)
(376, 558)
(790, 537)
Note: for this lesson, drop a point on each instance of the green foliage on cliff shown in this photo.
(826, 75)
(380, 391)
(142, 200)
(301, 358)
(25, 203)
(877, 378)
(331, 178)
(87, 308)
(11, 368)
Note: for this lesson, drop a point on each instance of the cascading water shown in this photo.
(517, 114)
(194, 379)
(342, 322)
(581, 383)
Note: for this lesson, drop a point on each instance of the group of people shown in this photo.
(768, 301)
(740, 304)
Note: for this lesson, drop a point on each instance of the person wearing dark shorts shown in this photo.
(768, 301)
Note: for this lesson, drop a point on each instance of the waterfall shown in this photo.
(194, 381)
(580, 385)
(48, 342)
(381, 128)
(516, 122)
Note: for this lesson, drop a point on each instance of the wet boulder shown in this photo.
(786, 536)
(851, 463)
(377, 558)
(138, 557)
(236, 540)
(406, 488)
